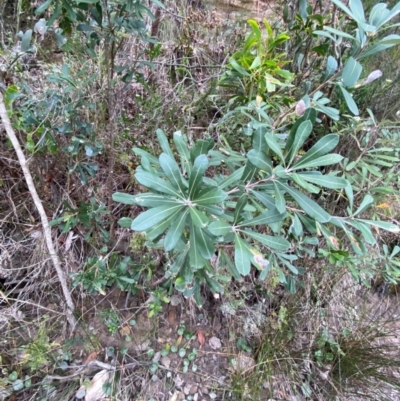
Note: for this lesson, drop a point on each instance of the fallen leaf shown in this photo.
(215, 343)
(200, 337)
(125, 330)
(91, 357)
(95, 392)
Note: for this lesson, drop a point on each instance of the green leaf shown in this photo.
(26, 41)
(331, 67)
(326, 160)
(391, 227)
(238, 68)
(201, 148)
(174, 234)
(151, 217)
(125, 222)
(196, 260)
(199, 168)
(258, 140)
(309, 115)
(351, 104)
(154, 182)
(163, 140)
(279, 200)
(266, 200)
(346, 10)
(171, 170)
(203, 242)
(209, 196)
(183, 150)
(271, 216)
(199, 218)
(226, 260)
(365, 204)
(158, 3)
(249, 172)
(219, 227)
(260, 160)
(212, 209)
(390, 40)
(298, 179)
(309, 206)
(240, 205)
(243, 256)
(327, 181)
(274, 146)
(365, 231)
(351, 72)
(277, 243)
(147, 199)
(339, 33)
(43, 7)
(322, 147)
(142, 153)
(302, 133)
(234, 178)
(358, 10)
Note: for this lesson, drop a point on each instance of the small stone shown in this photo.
(204, 390)
(181, 396)
(193, 390)
(186, 390)
(157, 356)
(195, 397)
(215, 343)
(175, 300)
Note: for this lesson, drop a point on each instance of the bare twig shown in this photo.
(45, 223)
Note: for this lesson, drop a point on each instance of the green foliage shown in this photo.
(99, 273)
(90, 215)
(257, 68)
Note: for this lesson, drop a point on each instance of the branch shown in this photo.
(45, 223)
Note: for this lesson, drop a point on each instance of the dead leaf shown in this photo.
(95, 390)
(92, 356)
(215, 343)
(125, 330)
(201, 337)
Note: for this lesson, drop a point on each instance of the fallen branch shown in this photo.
(45, 223)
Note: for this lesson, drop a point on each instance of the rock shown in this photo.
(215, 343)
(193, 390)
(186, 390)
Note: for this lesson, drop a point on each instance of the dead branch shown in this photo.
(45, 223)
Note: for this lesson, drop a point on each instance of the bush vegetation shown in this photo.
(249, 169)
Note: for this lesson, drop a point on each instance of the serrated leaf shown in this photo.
(326, 181)
(309, 206)
(351, 104)
(279, 200)
(351, 72)
(243, 256)
(271, 216)
(209, 196)
(151, 217)
(326, 160)
(219, 228)
(174, 234)
(156, 183)
(199, 168)
(277, 243)
(172, 172)
(260, 160)
(199, 218)
(274, 145)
